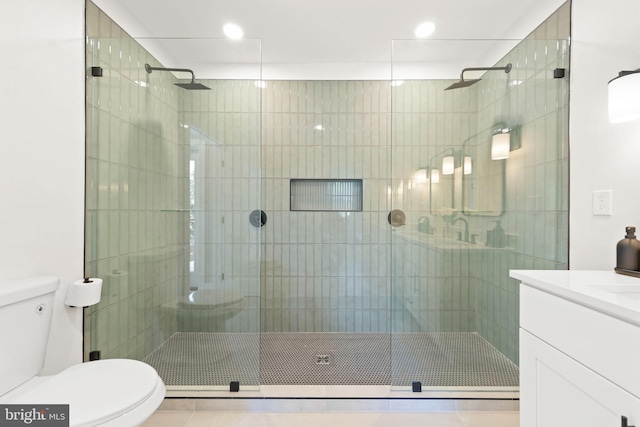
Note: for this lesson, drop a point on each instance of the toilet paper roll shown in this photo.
(83, 294)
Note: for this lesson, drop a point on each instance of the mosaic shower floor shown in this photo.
(446, 359)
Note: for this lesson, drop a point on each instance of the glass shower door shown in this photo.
(433, 328)
(471, 215)
(218, 316)
(218, 303)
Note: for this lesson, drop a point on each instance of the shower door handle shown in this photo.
(396, 218)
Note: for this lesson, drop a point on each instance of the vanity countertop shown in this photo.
(605, 291)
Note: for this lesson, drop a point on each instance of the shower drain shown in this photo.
(322, 359)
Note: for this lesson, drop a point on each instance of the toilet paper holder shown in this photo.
(83, 293)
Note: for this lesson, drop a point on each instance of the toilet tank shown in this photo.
(26, 306)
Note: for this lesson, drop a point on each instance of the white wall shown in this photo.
(42, 154)
(605, 40)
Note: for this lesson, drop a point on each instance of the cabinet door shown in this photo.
(555, 390)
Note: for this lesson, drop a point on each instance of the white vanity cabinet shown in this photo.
(579, 349)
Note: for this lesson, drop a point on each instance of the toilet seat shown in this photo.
(110, 392)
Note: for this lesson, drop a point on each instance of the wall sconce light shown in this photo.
(435, 176)
(466, 165)
(504, 140)
(500, 145)
(448, 165)
(624, 97)
(420, 176)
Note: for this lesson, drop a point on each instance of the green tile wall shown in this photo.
(132, 180)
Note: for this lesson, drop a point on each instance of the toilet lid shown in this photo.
(96, 391)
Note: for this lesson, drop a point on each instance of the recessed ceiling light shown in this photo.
(424, 30)
(233, 31)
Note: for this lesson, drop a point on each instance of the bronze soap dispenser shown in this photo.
(628, 254)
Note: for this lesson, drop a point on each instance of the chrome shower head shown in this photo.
(465, 83)
(189, 86)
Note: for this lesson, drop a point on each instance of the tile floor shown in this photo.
(335, 419)
(436, 359)
(337, 406)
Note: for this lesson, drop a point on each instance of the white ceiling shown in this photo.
(327, 39)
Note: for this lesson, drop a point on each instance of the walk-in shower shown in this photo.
(243, 231)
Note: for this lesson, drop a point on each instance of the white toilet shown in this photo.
(113, 392)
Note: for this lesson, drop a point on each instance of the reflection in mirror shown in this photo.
(441, 183)
(482, 189)
(471, 179)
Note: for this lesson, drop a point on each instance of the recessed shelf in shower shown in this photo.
(334, 195)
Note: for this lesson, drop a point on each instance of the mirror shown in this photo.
(475, 186)
(483, 188)
(441, 185)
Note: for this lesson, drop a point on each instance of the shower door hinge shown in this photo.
(222, 277)
(558, 73)
(94, 355)
(96, 71)
(223, 220)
